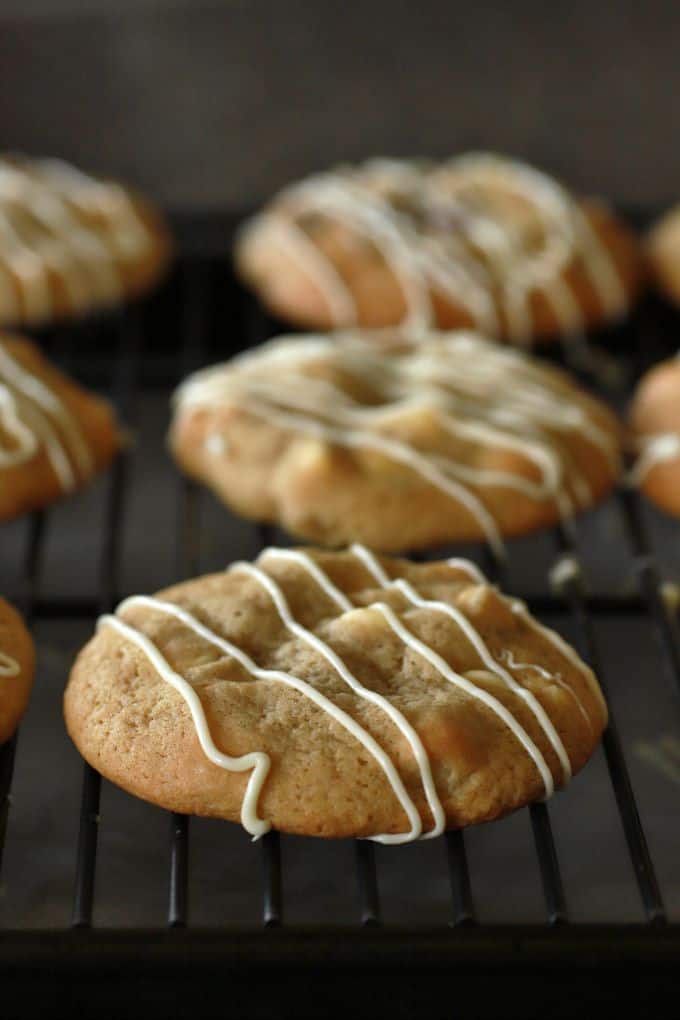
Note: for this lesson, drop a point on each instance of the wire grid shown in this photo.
(192, 291)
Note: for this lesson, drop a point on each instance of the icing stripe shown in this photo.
(54, 218)
(562, 647)
(443, 228)
(393, 713)
(555, 678)
(394, 450)
(466, 388)
(8, 666)
(437, 661)
(475, 639)
(341, 304)
(259, 761)
(33, 424)
(658, 448)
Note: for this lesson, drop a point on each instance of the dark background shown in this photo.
(217, 103)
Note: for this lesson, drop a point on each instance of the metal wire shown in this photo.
(130, 339)
(544, 840)
(196, 289)
(643, 868)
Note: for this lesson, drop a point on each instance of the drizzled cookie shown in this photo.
(334, 694)
(54, 435)
(71, 243)
(17, 665)
(479, 241)
(655, 422)
(662, 248)
(402, 444)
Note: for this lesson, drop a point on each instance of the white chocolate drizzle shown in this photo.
(485, 231)
(490, 663)
(58, 222)
(475, 392)
(33, 417)
(657, 448)
(259, 763)
(563, 572)
(8, 666)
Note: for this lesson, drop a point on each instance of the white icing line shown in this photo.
(449, 674)
(472, 389)
(393, 450)
(26, 443)
(478, 254)
(659, 448)
(475, 639)
(258, 760)
(8, 666)
(563, 648)
(393, 713)
(555, 678)
(45, 223)
(28, 267)
(320, 270)
(48, 406)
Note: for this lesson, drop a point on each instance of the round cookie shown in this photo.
(479, 241)
(404, 443)
(54, 435)
(663, 254)
(17, 666)
(655, 421)
(71, 244)
(334, 694)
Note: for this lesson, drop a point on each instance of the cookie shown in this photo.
(54, 435)
(17, 666)
(334, 694)
(663, 254)
(403, 444)
(655, 422)
(479, 241)
(71, 244)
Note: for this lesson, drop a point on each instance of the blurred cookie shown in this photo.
(655, 421)
(54, 435)
(663, 254)
(334, 694)
(479, 241)
(17, 666)
(71, 244)
(402, 444)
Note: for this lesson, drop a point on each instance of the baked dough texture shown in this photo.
(71, 244)
(334, 694)
(411, 442)
(655, 422)
(478, 241)
(54, 435)
(17, 667)
(663, 254)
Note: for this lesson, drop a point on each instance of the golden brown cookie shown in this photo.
(479, 241)
(54, 435)
(71, 243)
(663, 253)
(334, 694)
(401, 444)
(17, 666)
(655, 421)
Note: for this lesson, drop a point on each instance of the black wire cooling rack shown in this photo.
(360, 958)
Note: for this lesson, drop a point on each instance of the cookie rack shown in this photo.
(542, 968)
